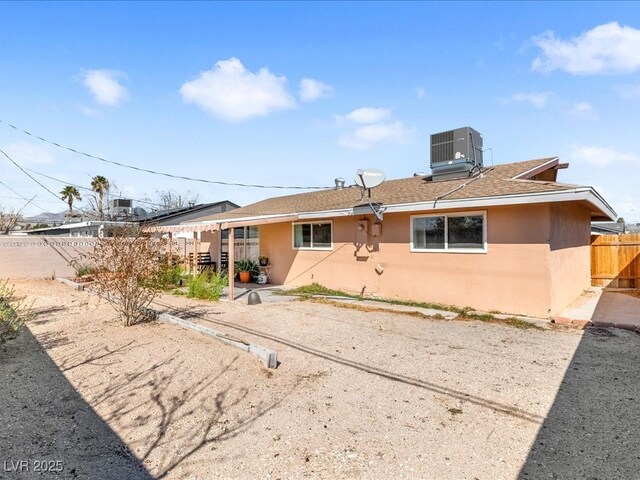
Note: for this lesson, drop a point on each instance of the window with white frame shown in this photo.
(454, 232)
(313, 235)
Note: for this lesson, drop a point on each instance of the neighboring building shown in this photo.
(104, 228)
(175, 216)
(509, 239)
(607, 228)
(94, 228)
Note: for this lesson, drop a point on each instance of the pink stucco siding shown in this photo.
(570, 253)
(533, 264)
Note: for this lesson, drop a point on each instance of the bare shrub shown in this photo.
(8, 220)
(126, 269)
(13, 312)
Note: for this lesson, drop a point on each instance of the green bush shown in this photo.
(13, 312)
(83, 269)
(206, 286)
(170, 277)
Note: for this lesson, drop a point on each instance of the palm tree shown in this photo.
(69, 193)
(100, 185)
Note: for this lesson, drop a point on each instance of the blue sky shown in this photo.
(297, 94)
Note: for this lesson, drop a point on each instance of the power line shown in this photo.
(27, 174)
(153, 172)
(87, 188)
(22, 197)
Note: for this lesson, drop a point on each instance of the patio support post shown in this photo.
(231, 268)
(170, 255)
(194, 264)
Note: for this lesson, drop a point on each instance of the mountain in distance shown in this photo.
(44, 217)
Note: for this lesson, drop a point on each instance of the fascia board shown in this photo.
(539, 168)
(576, 194)
(584, 193)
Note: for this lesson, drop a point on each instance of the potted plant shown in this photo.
(246, 269)
(263, 261)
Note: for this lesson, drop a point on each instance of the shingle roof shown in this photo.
(495, 181)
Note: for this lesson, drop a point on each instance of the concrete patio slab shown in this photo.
(619, 309)
(603, 308)
(580, 312)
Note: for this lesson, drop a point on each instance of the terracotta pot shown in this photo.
(245, 277)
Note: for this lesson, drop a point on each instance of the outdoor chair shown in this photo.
(203, 262)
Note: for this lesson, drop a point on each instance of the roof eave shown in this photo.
(601, 211)
(538, 169)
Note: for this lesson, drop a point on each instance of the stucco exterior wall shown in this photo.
(515, 275)
(570, 253)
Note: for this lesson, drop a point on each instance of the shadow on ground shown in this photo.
(592, 428)
(44, 418)
(371, 369)
(171, 421)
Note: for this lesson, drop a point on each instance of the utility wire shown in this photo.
(23, 197)
(87, 188)
(153, 172)
(84, 210)
(28, 175)
(25, 205)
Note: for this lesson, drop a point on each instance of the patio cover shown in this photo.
(215, 225)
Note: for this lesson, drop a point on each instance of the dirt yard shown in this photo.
(357, 395)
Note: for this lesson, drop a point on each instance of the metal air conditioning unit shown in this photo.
(121, 207)
(456, 153)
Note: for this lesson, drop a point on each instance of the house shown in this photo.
(178, 215)
(510, 239)
(607, 228)
(135, 217)
(90, 228)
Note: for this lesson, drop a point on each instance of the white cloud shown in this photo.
(369, 126)
(311, 90)
(364, 115)
(231, 92)
(29, 153)
(629, 92)
(542, 100)
(537, 99)
(367, 136)
(602, 156)
(581, 109)
(105, 87)
(421, 92)
(606, 49)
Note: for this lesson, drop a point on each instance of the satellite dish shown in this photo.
(369, 178)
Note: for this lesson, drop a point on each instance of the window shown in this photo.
(456, 232)
(316, 236)
(246, 240)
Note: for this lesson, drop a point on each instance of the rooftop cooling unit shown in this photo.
(456, 153)
(121, 207)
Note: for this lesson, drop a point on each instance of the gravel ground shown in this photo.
(357, 395)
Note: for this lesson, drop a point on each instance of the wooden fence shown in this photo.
(615, 261)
